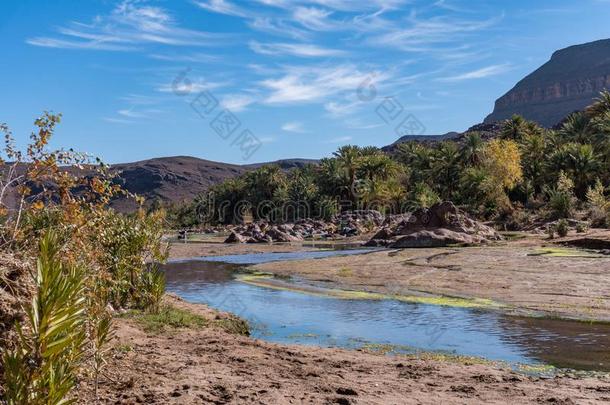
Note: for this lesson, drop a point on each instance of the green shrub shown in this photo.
(599, 205)
(562, 228)
(561, 199)
(42, 369)
(166, 319)
(581, 228)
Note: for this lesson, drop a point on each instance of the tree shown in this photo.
(533, 155)
(513, 128)
(348, 159)
(600, 106)
(471, 152)
(577, 128)
(503, 162)
(445, 168)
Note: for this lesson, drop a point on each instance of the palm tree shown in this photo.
(584, 168)
(377, 167)
(472, 149)
(445, 168)
(418, 158)
(348, 157)
(533, 156)
(600, 106)
(577, 128)
(513, 128)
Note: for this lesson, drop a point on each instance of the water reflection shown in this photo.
(291, 317)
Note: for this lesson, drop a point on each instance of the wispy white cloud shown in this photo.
(337, 109)
(221, 7)
(192, 85)
(130, 24)
(307, 84)
(315, 19)
(131, 114)
(303, 50)
(117, 120)
(196, 57)
(236, 102)
(294, 126)
(340, 5)
(426, 34)
(478, 73)
(278, 26)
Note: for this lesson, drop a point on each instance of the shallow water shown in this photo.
(293, 317)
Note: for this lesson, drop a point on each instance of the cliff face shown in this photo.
(569, 81)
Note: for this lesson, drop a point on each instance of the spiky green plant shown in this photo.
(152, 289)
(42, 369)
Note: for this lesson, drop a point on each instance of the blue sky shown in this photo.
(296, 74)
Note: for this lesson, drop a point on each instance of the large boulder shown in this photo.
(442, 224)
(279, 235)
(235, 237)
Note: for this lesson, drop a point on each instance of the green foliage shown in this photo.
(561, 198)
(42, 370)
(490, 176)
(422, 196)
(166, 319)
(562, 228)
(169, 318)
(89, 256)
(127, 245)
(599, 205)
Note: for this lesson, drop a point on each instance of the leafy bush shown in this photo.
(104, 259)
(562, 228)
(42, 370)
(599, 205)
(423, 196)
(561, 200)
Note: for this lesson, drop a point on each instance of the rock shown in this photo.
(235, 237)
(436, 238)
(442, 224)
(279, 236)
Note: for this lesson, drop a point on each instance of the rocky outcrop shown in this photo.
(349, 223)
(357, 222)
(568, 82)
(263, 232)
(442, 224)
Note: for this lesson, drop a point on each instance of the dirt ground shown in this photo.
(197, 366)
(520, 274)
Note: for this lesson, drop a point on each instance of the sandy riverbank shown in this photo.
(531, 275)
(209, 365)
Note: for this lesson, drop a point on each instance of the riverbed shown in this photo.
(289, 316)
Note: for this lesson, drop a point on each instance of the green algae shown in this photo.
(267, 280)
(565, 252)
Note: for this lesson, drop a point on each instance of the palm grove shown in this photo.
(523, 173)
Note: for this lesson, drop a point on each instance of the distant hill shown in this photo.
(420, 138)
(171, 179)
(177, 179)
(568, 82)
(285, 164)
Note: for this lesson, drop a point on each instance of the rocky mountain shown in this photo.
(568, 82)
